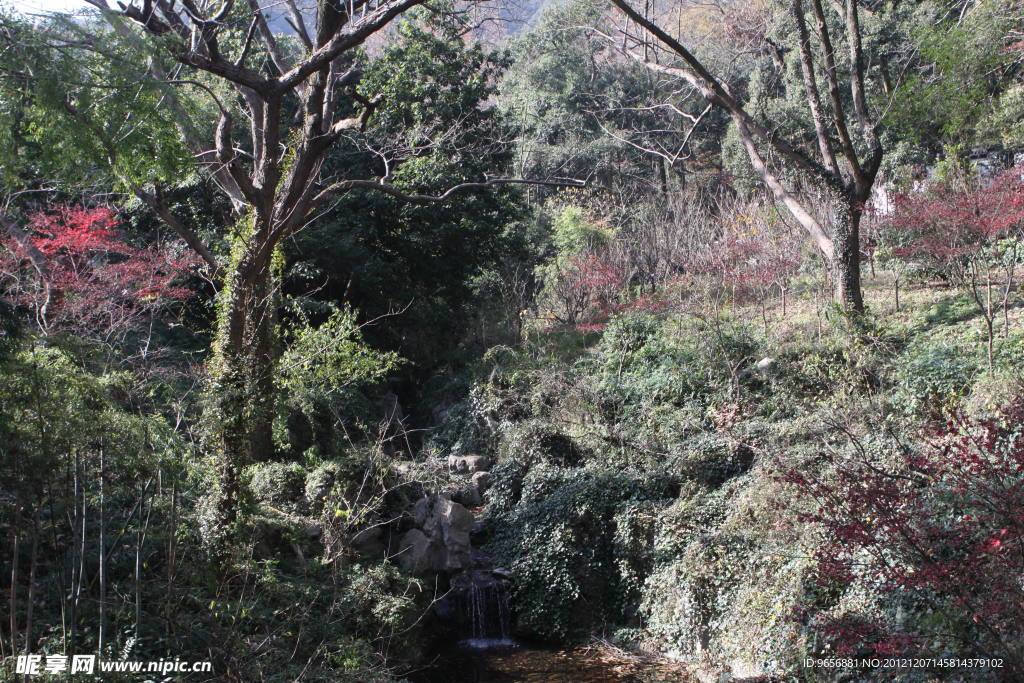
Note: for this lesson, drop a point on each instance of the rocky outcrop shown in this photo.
(470, 478)
(474, 609)
(468, 464)
(439, 541)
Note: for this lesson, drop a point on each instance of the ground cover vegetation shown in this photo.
(728, 293)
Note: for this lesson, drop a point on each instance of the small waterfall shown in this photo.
(486, 616)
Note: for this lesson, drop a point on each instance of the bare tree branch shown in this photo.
(811, 85)
(838, 111)
(155, 202)
(413, 198)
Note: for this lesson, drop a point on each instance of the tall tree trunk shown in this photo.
(78, 551)
(840, 244)
(845, 263)
(31, 597)
(15, 551)
(242, 374)
(261, 440)
(172, 558)
(102, 630)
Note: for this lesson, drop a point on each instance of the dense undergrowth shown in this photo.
(114, 494)
(245, 325)
(657, 485)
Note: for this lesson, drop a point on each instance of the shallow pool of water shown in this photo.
(528, 664)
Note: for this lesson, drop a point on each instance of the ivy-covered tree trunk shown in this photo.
(845, 262)
(242, 382)
(271, 170)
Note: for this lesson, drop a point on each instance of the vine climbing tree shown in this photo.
(282, 103)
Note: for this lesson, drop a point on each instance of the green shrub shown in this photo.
(728, 569)
(321, 376)
(848, 363)
(710, 458)
(931, 376)
(461, 432)
(320, 481)
(378, 599)
(639, 362)
(281, 485)
(523, 446)
(575, 542)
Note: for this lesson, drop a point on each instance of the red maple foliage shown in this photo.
(603, 286)
(601, 279)
(751, 266)
(954, 221)
(587, 288)
(748, 266)
(941, 530)
(968, 232)
(82, 277)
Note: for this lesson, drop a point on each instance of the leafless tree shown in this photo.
(845, 178)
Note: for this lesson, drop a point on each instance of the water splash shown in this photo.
(487, 621)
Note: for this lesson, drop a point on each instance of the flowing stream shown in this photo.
(485, 652)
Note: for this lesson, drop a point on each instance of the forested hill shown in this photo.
(493, 24)
(588, 340)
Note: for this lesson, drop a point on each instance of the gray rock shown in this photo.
(456, 523)
(392, 409)
(765, 365)
(468, 464)
(405, 468)
(468, 496)
(421, 512)
(454, 515)
(370, 542)
(440, 541)
(480, 559)
(418, 553)
(440, 411)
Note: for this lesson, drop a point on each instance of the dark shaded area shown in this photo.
(535, 663)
